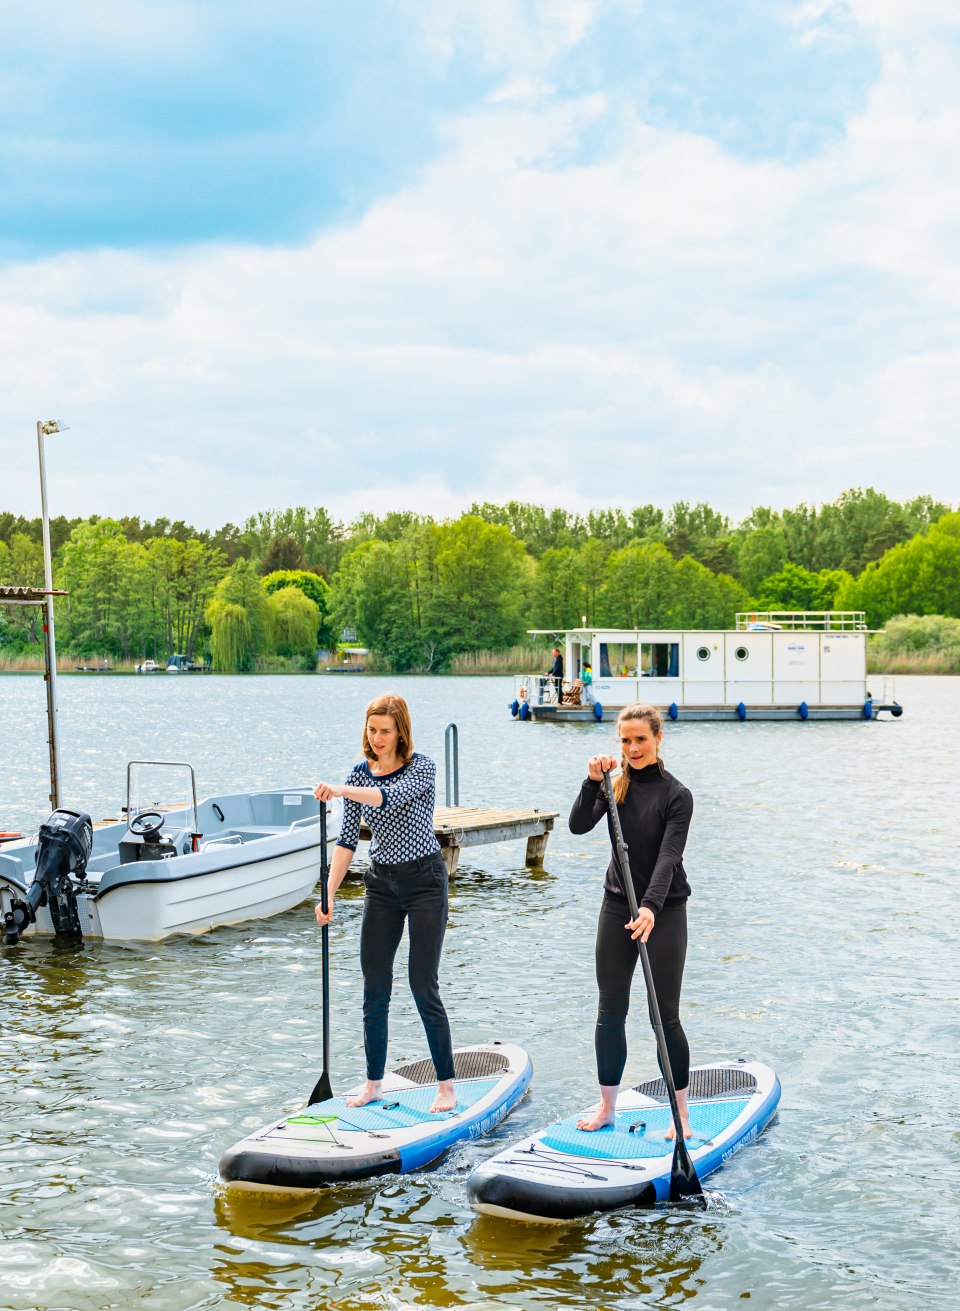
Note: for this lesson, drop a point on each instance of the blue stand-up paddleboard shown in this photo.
(564, 1172)
(328, 1142)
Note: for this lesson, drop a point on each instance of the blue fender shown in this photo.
(741, 711)
(804, 710)
(597, 710)
(524, 710)
(868, 709)
(673, 712)
(514, 707)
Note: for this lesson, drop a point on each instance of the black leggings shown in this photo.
(617, 958)
(414, 892)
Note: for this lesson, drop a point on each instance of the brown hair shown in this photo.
(654, 718)
(394, 706)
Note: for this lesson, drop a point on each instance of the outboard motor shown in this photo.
(63, 848)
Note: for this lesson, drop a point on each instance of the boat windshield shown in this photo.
(164, 785)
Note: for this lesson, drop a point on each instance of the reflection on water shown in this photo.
(821, 941)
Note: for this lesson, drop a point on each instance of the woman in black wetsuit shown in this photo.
(655, 811)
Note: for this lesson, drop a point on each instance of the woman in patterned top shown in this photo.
(393, 790)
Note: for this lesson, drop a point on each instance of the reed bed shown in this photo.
(523, 659)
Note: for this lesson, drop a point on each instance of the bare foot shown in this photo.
(370, 1092)
(599, 1119)
(684, 1117)
(446, 1098)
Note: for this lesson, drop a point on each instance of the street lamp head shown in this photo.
(53, 425)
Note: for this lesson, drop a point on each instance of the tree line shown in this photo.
(418, 592)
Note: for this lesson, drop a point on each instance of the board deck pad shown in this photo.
(395, 1110)
(707, 1119)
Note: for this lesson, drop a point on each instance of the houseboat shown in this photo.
(804, 665)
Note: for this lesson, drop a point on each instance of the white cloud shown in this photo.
(652, 319)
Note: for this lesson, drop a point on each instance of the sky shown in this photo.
(416, 253)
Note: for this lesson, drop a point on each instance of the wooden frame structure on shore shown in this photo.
(44, 596)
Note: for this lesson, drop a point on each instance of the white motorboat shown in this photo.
(163, 870)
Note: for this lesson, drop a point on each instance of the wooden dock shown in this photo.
(457, 827)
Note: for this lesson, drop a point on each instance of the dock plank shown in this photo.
(457, 827)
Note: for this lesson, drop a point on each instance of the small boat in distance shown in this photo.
(805, 664)
(164, 869)
(181, 664)
(148, 667)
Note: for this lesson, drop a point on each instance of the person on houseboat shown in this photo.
(392, 790)
(555, 672)
(586, 678)
(655, 810)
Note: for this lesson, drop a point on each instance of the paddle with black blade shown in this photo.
(684, 1181)
(322, 1091)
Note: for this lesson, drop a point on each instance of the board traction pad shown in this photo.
(394, 1110)
(707, 1120)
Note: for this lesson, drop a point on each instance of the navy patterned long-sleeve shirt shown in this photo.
(402, 825)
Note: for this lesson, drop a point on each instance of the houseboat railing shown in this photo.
(839, 621)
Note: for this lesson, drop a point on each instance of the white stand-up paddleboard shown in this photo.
(329, 1142)
(564, 1172)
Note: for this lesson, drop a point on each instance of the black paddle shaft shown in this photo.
(684, 1181)
(322, 1090)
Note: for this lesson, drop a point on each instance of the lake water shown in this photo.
(823, 941)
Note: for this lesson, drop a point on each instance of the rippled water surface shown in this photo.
(824, 941)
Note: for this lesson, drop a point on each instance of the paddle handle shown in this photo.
(624, 863)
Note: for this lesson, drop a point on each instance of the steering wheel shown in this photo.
(147, 824)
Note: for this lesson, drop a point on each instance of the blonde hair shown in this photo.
(398, 710)
(654, 718)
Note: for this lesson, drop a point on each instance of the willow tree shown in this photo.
(295, 620)
(239, 619)
(231, 641)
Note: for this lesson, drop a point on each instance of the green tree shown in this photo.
(920, 577)
(282, 553)
(638, 588)
(237, 639)
(762, 553)
(796, 588)
(295, 620)
(592, 563)
(559, 597)
(317, 589)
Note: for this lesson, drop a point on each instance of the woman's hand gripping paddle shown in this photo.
(322, 1091)
(684, 1181)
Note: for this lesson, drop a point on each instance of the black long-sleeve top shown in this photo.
(655, 817)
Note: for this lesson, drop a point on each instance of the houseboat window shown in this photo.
(703, 653)
(741, 653)
(660, 659)
(618, 659)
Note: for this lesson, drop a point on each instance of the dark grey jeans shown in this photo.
(416, 892)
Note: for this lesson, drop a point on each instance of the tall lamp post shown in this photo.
(46, 429)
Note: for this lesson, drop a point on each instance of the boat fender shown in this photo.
(514, 707)
(804, 710)
(741, 711)
(896, 710)
(673, 712)
(597, 710)
(868, 709)
(524, 711)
